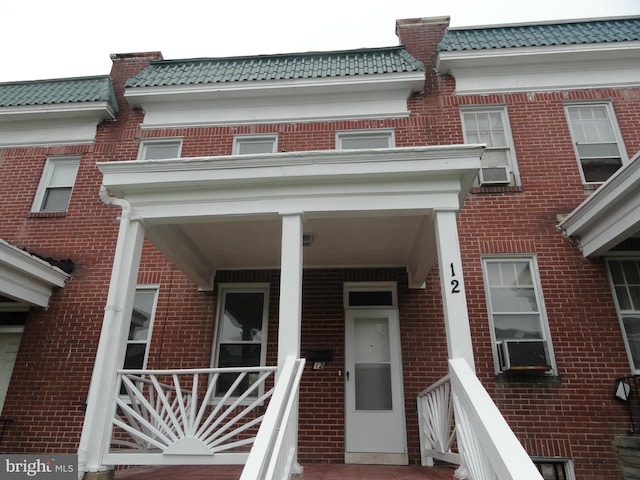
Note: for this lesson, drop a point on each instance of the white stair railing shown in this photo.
(161, 416)
(435, 420)
(488, 447)
(274, 452)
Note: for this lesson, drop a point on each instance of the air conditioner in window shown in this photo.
(489, 176)
(523, 355)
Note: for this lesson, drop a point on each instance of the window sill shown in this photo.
(47, 214)
(528, 378)
(500, 189)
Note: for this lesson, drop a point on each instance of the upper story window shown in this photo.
(241, 334)
(596, 140)
(491, 126)
(56, 184)
(516, 311)
(254, 144)
(624, 275)
(159, 149)
(365, 139)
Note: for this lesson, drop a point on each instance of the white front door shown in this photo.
(374, 409)
(9, 343)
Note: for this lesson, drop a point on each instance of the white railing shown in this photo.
(160, 417)
(489, 449)
(274, 452)
(435, 420)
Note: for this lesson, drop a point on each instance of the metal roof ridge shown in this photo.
(57, 80)
(280, 55)
(541, 23)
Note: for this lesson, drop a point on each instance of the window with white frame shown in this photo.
(254, 144)
(624, 275)
(160, 149)
(554, 468)
(519, 325)
(351, 140)
(491, 127)
(56, 184)
(140, 325)
(596, 140)
(241, 333)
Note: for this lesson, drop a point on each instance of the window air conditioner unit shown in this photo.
(489, 176)
(523, 356)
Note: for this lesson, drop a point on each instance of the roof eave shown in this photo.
(101, 110)
(446, 61)
(410, 81)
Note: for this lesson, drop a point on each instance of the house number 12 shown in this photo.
(455, 284)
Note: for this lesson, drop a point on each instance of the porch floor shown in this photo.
(312, 471)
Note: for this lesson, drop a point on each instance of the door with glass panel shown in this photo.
(374, 408)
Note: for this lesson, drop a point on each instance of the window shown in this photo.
(56, 184)
(624, 275)
(365, 139)
(519, 326)
(596, 140)
(247, 145)
(370, 294)
(554, 469)
(159, 149)
(140, 326)
(491, 126)
(242, 333)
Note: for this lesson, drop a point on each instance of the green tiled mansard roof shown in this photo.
(58, 91)
(311, 65)
(543, 34)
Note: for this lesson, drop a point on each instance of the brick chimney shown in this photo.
(421, 36)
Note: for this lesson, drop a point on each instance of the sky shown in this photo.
(41, 39)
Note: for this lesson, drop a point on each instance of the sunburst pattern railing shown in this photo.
(197, 413)
(435, 419)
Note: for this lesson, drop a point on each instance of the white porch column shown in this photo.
(454, 299)
(290, 287)
(111, 346)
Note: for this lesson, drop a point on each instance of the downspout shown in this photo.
(91, 448)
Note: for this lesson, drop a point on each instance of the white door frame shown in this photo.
(381, 436)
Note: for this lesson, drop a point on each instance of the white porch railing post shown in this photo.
(110, 352)
(454, 299)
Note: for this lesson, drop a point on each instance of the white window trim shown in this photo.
(546, 333)
(46, 176)
(239, 139)
(567, 462)
(139, 288)
(614, 126)
(370, 287)
(144, 144)
(622, 257)
(223, 289)
(378, 133)
(511, 149)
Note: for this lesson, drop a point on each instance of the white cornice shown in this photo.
(562, 67)
(366, 96)
(610, 215)
(27, 278)
(63, 124)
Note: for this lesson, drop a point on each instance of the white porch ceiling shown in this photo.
(363, 207)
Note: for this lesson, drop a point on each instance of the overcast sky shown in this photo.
(67, 38)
